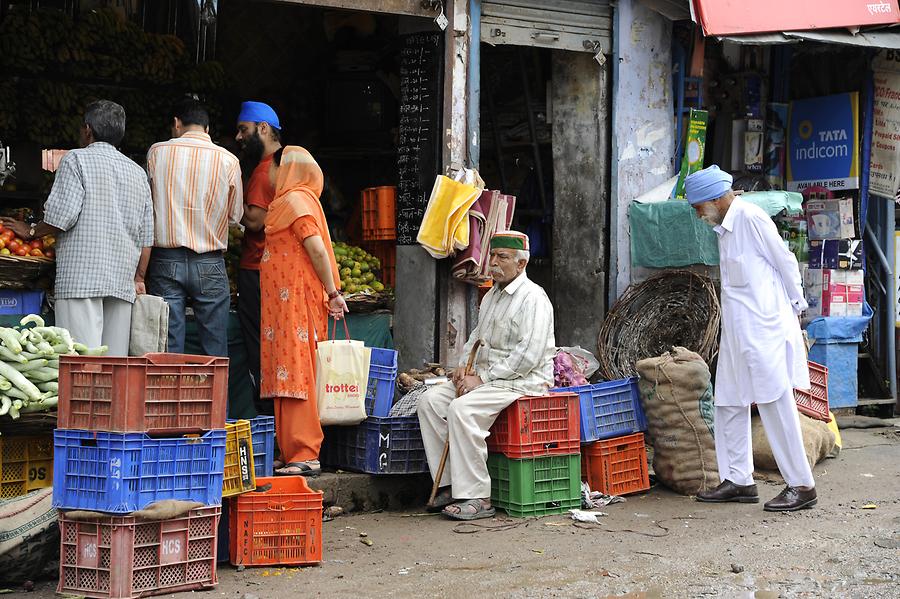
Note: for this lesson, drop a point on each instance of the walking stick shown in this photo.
(440, 471)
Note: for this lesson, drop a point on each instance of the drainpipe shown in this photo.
(612, 225)
(473, 129)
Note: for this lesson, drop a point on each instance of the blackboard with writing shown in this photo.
(418, 154)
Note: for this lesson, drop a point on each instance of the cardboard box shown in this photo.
(832, 292)
(845, 254)
(830, 219)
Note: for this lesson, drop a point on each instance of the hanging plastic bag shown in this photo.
(342, 375)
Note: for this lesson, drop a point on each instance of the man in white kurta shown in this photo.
(761, 353)
(516, 326)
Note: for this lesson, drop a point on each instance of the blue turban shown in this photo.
(257, 112)
(706, 185)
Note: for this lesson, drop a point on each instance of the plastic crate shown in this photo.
(537, 486)
(376, 446)
(14, 302)
(262, 431)
(537, 426)
(814, 403)
(379, 213)
(616, 466)
(154, 393)
(239, 475)
(26, 464)
(386, 252)
(281, 526)
(120, 473)
(610, 409)
(124, 556)
(382, 382)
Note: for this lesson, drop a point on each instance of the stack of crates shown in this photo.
(614, 456)
(379, 219)
(381, 444)
(132, 432)
(534, 458)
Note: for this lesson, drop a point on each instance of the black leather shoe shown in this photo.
(792, 499)
(728, 491)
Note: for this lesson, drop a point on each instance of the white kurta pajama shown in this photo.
(761, 354)
(516, 325)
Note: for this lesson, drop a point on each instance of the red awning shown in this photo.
(737, 17)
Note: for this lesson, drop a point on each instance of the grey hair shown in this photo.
(106, 120)
(523, 255)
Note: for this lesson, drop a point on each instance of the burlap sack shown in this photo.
(677, 398)
(818, 441)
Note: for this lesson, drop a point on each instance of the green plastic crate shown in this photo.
(535, 487)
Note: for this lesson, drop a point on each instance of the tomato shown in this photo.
(13, 246)
(2, 243)
(36, 244)
(20, 241)
(7, 236)
(48, 253)
(36, 252)
(21, 252)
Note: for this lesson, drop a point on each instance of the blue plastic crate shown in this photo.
(382, 382)
(20, 302)
(262, 434)
(609, 409)
(120, 473)
(377, 446)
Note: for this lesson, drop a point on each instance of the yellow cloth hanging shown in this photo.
(445, 225)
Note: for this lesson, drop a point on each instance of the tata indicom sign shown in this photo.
(738, 17)
(823, 143)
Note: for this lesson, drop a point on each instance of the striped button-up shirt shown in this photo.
(197, 190)
(516, 325)
(101, 201)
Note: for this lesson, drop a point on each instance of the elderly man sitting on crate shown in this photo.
(515, 325)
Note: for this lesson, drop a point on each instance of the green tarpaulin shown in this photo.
(668, 234)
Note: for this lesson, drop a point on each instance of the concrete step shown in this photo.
(365, 493)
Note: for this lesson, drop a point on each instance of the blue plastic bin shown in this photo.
(609, 409)
(841, 359)
(120, 473)
(262, 435)
(377, 446)
(20, 302)
(382, 382)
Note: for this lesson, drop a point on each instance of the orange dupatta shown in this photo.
(298, 185)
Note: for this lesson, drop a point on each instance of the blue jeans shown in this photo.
(181, 276)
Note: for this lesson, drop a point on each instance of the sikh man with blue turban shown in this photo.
(761, 355)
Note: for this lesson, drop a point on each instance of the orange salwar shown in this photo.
(294, 311)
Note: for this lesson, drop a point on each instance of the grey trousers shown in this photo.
(97, 321)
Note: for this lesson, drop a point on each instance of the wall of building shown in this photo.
(643, 130)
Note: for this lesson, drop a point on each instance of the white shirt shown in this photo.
(516, 325)
(761, 354)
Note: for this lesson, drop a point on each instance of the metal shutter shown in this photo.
(579, 25)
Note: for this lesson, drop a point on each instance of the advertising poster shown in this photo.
(776, 141)
(693, 148)
(884, 165)
(823, 143)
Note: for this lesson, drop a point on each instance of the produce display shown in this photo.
(29, 365)
(416, 377)
(358, 269)
(10, 245)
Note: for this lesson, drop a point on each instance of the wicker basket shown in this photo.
(21, 272)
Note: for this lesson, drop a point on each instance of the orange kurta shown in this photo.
(294, 311)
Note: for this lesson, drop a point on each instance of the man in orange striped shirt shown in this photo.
(197, 191)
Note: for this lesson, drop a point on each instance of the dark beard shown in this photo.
(251, 153)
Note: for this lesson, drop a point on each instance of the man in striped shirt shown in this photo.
(515, 324)
(197, 192)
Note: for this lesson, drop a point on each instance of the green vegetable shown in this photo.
(41, 406)
(32, 318)
(4, 384)
(18, 380)
(48, 386)
(30, 365)
(14, 409)
(5, 405)
(10, 339)
(97, 351)
(16, 394)
(42, 375)
(7, 355)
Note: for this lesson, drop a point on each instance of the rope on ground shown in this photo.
(673, 308)
(657, 523)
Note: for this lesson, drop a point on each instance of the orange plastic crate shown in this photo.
(538, 426)
(282, 526)
(814, 403)
(386, 252)
(119, 557)
(379, 213)
(616, 466)
(155, 393)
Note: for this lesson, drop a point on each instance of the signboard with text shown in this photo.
(884, 162)
(737, 17)
(823, 143)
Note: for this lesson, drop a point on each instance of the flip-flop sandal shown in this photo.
(441, 500)
(277, 465)
(302, 469)
(479, 513)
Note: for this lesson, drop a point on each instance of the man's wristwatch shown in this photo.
(31, 232)
(335, 293)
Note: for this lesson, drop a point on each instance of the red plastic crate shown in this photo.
(282, 526)
(386, 252)
(379, 213)
(616, 466)
(538, 426)
(814, 403)
(123, 556)
(155, 393)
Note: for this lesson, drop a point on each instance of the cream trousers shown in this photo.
(781, 422)
(97, 321)
(467, 419)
